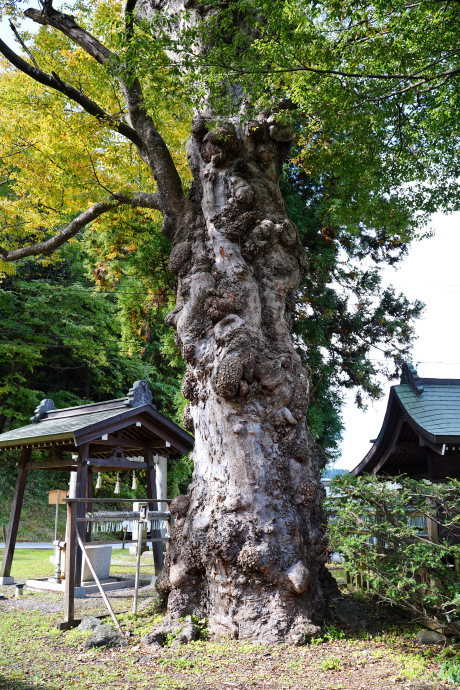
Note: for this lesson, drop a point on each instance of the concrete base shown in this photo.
(133, 548)
(89, 587)
(49, 585)
(6, 581)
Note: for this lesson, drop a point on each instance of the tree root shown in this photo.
(171, 633)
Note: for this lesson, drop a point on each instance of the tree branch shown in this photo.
(65, 23)
(141, 200)
(21, 43)
(49, 246)
(151, 145)
(130, 6)
(54, 82)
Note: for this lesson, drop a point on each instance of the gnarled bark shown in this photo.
(248, 547)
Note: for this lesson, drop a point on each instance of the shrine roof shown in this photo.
(85, 423)
(436, 410)
(428, 407)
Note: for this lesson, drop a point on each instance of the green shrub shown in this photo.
(381, 529)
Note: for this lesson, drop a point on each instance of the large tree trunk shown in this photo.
(248, 546)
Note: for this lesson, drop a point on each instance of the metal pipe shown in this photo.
(142, 518)
(57, 561)
(117, 500)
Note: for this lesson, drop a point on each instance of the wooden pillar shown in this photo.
(82, 476)
(89, 506)
(70, 540)
(153, 505)
(5, 571)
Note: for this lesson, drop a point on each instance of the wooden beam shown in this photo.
(159, 444)
(89, 506)
(13, 524)
(82, 477)
(88, 409)
(117, 464)
(393, 440)
(437, 447)
(407, 447)
(107, 427)
(175, 442)
(122, 442)
(56, 464)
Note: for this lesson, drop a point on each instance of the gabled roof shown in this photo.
(73, 426)
(429, 408)
(436, 411)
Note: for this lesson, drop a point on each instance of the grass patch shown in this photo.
(35, 654)
(31, 563)
(35, 563)
(36, 523)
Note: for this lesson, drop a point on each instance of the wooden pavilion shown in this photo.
(420, 435)
(116, 435)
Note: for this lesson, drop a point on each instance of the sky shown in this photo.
(430, 273)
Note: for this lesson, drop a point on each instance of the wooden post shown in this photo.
(82, 474)
(70, 540)
(153, 505)
(89, 506)
(5, 571)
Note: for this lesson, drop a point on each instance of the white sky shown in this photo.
(430, 273)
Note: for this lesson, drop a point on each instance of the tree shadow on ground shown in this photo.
(12, 684)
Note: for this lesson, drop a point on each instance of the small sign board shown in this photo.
(53, 495)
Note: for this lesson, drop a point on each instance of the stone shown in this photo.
(140, 394)
(7, 580)
(105, 636)
(299, 576)
(352, 615)
(155, 641)
(188, 633)
(430, 637)
(100, 560)
(41, 411)
(89, 623)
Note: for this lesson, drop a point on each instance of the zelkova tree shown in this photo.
(248, 547)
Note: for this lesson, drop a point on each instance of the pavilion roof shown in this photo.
(70, 427)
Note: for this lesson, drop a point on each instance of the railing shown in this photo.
(75, 536)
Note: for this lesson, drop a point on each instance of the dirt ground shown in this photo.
(35, 654)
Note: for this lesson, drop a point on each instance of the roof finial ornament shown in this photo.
(409, 375)
(41, 410)
(140, 394)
